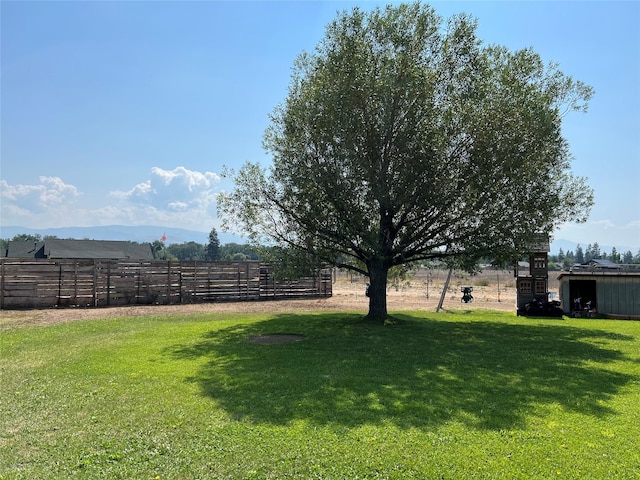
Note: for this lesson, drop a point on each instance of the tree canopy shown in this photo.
(404, 138)
(212, 249)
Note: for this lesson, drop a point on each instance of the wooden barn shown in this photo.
(608, 292)
(55, 248)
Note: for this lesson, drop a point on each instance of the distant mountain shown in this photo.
(139, 234)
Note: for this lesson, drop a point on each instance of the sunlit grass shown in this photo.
(449, 395)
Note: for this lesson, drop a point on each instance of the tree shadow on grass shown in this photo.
(419, 374)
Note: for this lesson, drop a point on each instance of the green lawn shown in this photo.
(447, 396)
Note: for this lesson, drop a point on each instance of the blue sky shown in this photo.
(125, 112)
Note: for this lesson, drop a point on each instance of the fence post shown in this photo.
(59, 283)
(180, 283)
(238, 279)
(2, 284)
(108, 283)
(138, 285)
(95, 283)
(194, 293)
(247, 279)
(168, 282)
(75, 283)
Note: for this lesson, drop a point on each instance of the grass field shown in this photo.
(449, 396)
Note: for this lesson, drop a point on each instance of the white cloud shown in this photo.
(49, 203)
(50, 191)
(14, 192)
(190, 178)
(179, 206)
(604, 224)
(179, 197)
(177, 189)
(140, 190)
(56, 191)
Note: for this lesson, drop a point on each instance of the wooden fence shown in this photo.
(43, 283)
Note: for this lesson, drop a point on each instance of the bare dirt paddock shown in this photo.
(491, 290)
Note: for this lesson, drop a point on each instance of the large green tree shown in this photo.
(212, 249)
(403, 138)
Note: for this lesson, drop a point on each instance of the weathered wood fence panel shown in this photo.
(318, 285)
(42, 283)
(211, 281)
(75, 285)
(119, 282)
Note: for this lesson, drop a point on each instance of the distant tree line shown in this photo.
(592, 252)
(211, 251)
(236, 252)
(230, 252)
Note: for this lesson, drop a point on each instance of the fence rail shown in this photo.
(43, 283)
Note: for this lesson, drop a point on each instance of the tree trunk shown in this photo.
(377, 290)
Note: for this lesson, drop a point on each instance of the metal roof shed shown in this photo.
(615, 294)
(596, 264)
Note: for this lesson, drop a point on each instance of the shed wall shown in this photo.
(616, 294)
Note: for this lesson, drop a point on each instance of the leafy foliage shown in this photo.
(405, 139)
(186, 251)
(158, 249)
(212, 249)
